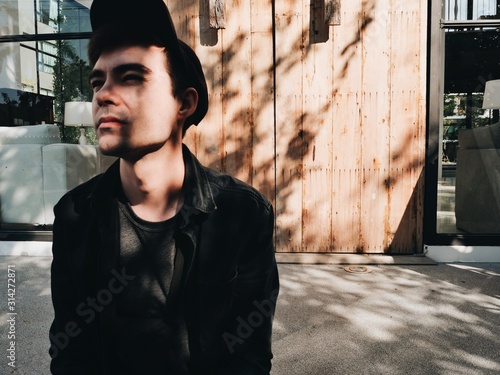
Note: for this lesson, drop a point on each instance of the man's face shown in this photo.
(134, 110)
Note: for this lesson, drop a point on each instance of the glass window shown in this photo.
(469, 175)
(470, 9)
(52, 67)
(47, 57)
(47, 12)
(43, 47)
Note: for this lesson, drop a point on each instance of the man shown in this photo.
(160, 265)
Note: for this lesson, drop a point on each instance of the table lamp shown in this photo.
(79, 114)
(491, 98)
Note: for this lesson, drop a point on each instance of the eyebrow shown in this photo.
(120, 69)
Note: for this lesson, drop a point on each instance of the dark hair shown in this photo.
(117, 35)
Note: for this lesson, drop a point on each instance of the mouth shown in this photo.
(108, 122)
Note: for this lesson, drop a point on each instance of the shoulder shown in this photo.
(229, 194)
(96, 190)
(230, 190)
(77, 199)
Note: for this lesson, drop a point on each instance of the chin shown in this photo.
(110, 149)
(108, 152)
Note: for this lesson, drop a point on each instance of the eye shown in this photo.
(96, 84)
(131, 78)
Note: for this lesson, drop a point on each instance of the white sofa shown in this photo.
(36, 169)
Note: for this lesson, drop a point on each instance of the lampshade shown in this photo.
(78, 114)
(491, 99)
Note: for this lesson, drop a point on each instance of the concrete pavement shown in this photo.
(442, 319)
(395, 319)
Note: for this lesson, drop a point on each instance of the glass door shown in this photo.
(468, 192)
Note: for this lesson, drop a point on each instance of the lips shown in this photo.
(108, 122)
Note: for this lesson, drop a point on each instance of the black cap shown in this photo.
(155, 15)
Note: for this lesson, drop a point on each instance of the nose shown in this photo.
(106, 95)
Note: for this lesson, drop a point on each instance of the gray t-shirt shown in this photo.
(150, 339)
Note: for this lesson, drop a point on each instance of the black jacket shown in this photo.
(227, 290)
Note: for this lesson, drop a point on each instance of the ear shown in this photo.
(189, 102)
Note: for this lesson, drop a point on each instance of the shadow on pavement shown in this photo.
(440, 319)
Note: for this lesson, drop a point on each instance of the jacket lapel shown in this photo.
(104, 207)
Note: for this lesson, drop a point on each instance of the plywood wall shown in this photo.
(327, 121)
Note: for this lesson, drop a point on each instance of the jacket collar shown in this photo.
(198, 196)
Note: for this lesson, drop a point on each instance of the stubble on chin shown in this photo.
(112, 147)
(113, 142)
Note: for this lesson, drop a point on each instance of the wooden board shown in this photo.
(327, 121)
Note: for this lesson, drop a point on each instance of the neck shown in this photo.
(153, 184)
